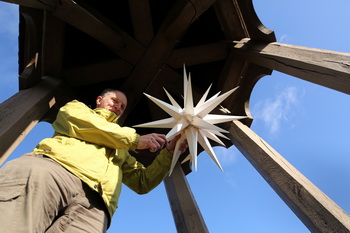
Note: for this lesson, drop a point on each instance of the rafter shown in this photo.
(141, 20)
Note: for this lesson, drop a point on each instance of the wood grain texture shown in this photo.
(323, 67)
(186, 213)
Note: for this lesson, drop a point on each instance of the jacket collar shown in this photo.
(108, 115)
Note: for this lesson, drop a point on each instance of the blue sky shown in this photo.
(307, 124)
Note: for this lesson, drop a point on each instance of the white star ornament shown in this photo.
(193, 123)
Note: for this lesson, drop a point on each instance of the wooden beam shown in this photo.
(186, 213)
(53, 45)
(178, 20)
(141, 20)
(198, 55)
(324, 67)
(317, 211)
(20, 113)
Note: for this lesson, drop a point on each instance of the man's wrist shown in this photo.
(135, 142)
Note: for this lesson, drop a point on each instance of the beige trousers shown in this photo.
(39, 195)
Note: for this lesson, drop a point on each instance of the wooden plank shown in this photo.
(187, 216)
(20, 113)
(317, 211)
(324, 67)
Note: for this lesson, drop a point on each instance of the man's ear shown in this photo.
(98, 101)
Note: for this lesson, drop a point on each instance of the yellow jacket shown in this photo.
(90, 144)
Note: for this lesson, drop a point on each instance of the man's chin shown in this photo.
(116, 113)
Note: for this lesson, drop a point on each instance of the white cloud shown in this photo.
(226, 156)
(273, 112)
(283, 39)
(231, 178)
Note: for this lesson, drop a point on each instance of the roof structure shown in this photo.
(75, 49)
(140, 46)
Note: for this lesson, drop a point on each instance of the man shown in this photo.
(72, 181)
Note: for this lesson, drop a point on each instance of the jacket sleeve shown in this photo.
(77, 120)
(142, 179)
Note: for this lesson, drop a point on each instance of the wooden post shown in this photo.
(317, 211)
(186, 213)
(20, 113)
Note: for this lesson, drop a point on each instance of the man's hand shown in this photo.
(171, 145)
(152, 141)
